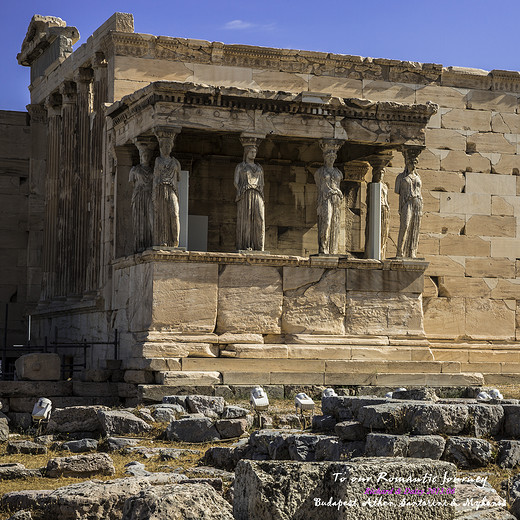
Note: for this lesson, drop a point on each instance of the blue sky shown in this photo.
(470, 33)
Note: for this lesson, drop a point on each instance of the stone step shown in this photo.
(317, 365)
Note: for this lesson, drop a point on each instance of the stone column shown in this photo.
(50, 234)
(83, 245)
(36, 202)
(96, 199)
(66, 182)
(377, 207)
(249, 182)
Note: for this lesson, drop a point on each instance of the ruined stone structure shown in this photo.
(442, 307)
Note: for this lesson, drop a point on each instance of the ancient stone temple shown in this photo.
(252, 215)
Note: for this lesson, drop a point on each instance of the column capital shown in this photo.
(68, 92)
(356, 170)
(99, 60)
(37, 113)
(379, 161)
(167, 132)
(53, 104)
(411, 151)
(331, 145)
(83, 75)
(251, 139)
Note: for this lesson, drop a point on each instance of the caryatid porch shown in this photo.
(184, 305)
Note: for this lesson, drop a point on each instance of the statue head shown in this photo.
(411, 156)
(330, 148)
(250, 152)
(146, 148)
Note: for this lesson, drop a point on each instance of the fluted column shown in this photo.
(68, 177)
(50, 240)
(95, 201)
(82, 208)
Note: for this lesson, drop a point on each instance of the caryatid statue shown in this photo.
(165, 197)
(330, 196)
(249, 182)
(141, 176)
(408, 186)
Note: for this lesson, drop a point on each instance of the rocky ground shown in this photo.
(143, 463)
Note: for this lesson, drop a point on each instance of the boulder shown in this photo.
(431, 419)
(120, 422)
(136, 469)
(512, 420)
(426, 447)
(176, 399)
(332, 449)
(38, 366)
(323, 423)
(83, 466)
(118, 443)
(350, 431)
(485, 420)
(387, 417)
(14, 470)
(302, 447)
(479, 501)
(386, 445)
(81, 445)
(234, 412)
(19, 421)
(75, 419)
(167, 412)
(179, 502)
(508, 454)
(26, 447)
(272, 443)
(227, 457)
(95, 500)
(208, 405)
(231, 428)
(468, 452)
(332, 490)
(196, 429)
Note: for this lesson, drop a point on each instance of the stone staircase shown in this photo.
(304, 359)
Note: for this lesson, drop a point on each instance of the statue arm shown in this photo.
(237, 176)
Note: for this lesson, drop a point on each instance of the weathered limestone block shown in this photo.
(194, 429)
(460, 161)
(314, 300)
(501, 206)
(377, 280)
(98, 500)
(505, 247)
(466, 203)
(490, 267)
(445, 96)
(14, 470)
(140, 296)
(444, 139)
(350, 431)
(490, 184)
(460, 286)
(185, 296)
(492, 100)
(249, 299)
(121, 422)
(467, 452)
(512, 420)
(467, 119)
(444, 317)
(75, 419)
(444, 265)
(81, 445)
(384, 313)
(260, 351)
(491, 226)
(508, 454)
(208, 405)
(424, 419)
(39, 367)
(488, 142)
(462, 245)
(4, 429)
(301, 491)
(84, 466)
(426, 446)
(485, 420)
(175, 350)
(188, 378)
(489, 319)
(506, 289)
(179, 501)
(435, 223)
(385, 445)
(27, 447)
(138, 377)
(231, 428)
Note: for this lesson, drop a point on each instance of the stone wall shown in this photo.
(470, 168)
(15, 149)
